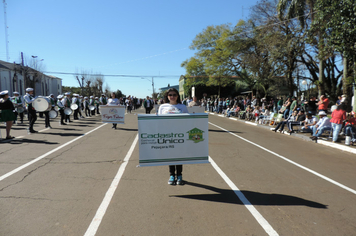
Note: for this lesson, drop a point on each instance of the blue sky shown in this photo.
(144, 38)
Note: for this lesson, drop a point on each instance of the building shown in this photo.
(16, 77)
(168, 87)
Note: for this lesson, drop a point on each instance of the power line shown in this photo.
(131, 76)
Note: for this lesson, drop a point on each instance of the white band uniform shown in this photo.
(173, 139)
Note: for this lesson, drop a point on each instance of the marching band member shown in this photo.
(91, 102)
(86, 107)
(80, 106)
(32, 117)
(7, 112)
(97, 103)
(75, 100)
(66, 103)
(46, 113)
(103, 100)
(18, 104)
(113, 101)
(61, 109)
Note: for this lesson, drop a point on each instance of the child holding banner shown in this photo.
(173, 105)
(113, 101)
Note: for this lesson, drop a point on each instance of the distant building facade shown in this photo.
(16, 77)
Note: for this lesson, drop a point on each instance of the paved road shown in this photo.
(259, 183)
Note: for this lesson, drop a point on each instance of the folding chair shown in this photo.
(278, 119)
(268, 119)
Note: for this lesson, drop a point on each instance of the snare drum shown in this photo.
(42, 104)
(68, 111)
(91, 107)
(19, 109)
(53, 114)
(56, 108)
(74, 106)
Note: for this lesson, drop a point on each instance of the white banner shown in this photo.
(112, 114)
(196, 109)
(173, 139)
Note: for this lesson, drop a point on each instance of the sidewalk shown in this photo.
(305, 136)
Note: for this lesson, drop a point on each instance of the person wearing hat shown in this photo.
(18, 104)
(75, 100)
(80, 107)
(86, 107)
(7, 114)
(66, 104)
(97, 103)
(91, 103)
(61, 109)
(46, 113)
(31, 112)
(322, 125)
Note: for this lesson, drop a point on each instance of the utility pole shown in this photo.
(6, 34)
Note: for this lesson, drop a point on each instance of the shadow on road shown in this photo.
(222, 131)
(63, 134)
(255, 198)
(21, 141)
(126, 129)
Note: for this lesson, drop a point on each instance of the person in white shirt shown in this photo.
(309, 122)
(323, 125)
(173, 105)
(31, 112)
(113, 101)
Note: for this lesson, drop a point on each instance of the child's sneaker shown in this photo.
(171, 180)
(179, 180)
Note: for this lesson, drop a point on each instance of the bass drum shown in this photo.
(53, 114)
(91, 107)
(74, 106)
(68, 111)
(42, 104)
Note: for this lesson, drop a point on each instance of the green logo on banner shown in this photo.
(196, 135)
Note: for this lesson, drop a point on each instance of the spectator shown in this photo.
(256, 113)
(294, 105)
(298, 121)
(311, 105)
(338, 102)
(285, 108)
(337, 118)
(323, 125)
(281, 124)
(323, 104)
(265, 114)
(279, 104)
(195, 102)
(233, 111)
(253, 102)
(309, 122)
(350, 127)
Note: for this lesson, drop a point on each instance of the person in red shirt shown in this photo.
(323, 103)
(350, 127)
(337, 118)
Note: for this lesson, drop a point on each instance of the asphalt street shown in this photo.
(83, 179)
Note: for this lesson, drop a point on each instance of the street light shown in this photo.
(305, 82)
(153, 86)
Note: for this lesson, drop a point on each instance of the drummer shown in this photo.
(32, 117)
(86, 107)
(7, 112)
(19, 106)
(46, 113)
(91, 103)
(61, 109)
(103, 100)
(66, 103)
(75, 100)
(97, 103)
(80, 106)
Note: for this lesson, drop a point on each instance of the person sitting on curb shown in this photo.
(281, 124)
(350, 127)
(323, 125)
(309, 122)
(298, 121)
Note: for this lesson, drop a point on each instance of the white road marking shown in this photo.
(95, 223)
(290, 161)
(45, 155)
(250, 123)
(232, 118)
(260, 219)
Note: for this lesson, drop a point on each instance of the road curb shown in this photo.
(305, 138)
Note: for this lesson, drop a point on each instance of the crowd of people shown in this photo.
(311, 116)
